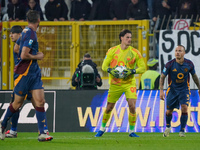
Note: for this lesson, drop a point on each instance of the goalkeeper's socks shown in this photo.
(132, 120)
(131, 131)
(106, 117)
(8, 115)
(40, 115)
(184, 118)
(168, 120)
(102, 128)
(14, 121)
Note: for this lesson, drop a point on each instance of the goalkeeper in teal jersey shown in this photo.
(122, 55)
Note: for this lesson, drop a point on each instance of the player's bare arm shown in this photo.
(26, 55)
(162, 79)
(196, 81)
(16, 48)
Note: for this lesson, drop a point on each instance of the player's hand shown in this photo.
(77, 79)
(98, 79)
(40, 55)
(162, 95)
(114, 72)
(128, 72)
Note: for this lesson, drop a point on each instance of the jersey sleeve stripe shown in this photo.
(135, 50)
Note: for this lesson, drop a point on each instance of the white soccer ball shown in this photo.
(121, 71)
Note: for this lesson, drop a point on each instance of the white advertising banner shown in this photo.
(170, 39)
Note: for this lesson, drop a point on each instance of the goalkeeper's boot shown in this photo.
(2, 132)
(133, 135)
(11, 134)
(44, 137)
(99, 133)
(167, 131)
(182, 134)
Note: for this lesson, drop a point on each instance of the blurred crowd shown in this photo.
(80, 10)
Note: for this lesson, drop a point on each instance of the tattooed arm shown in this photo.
(162, 79)
(196, 81)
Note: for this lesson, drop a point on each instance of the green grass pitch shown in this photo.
(109, 141)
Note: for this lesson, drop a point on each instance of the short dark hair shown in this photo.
(32, 16)
(87, 55)
(16, 29)
(182, 46)
(123, 32)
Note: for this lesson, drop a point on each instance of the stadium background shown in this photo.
(64, 44)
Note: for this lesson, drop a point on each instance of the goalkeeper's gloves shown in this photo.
(114, 72)
(128, 72)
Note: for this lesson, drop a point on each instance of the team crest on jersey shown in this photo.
(186, 69)
(30, 42)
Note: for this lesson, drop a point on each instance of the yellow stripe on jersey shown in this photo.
(18, 79)
(21, 75)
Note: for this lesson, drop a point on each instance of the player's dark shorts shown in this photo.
(27, 97)
(175, 99)
(24, 84)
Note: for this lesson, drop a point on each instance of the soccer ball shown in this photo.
(121, 71)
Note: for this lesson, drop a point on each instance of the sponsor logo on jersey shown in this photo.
(164, 70)
(30, 42)
(174, 70)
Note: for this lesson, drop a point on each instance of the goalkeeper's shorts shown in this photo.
(116, 91)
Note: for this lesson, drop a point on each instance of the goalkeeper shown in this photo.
(122, 55)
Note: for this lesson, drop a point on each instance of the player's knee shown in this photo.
(40, 102)
(169, 112)
(184, 108)
(109, 109)
(132, 108)
(17, 104)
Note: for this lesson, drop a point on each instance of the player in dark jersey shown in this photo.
(28, 77)
(15, 35)
(178, 92)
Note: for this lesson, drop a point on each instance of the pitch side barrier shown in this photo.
(64, 44)
(81, 111)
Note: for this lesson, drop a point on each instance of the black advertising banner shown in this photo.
(27, 120)
(71, 107)
(82, 111)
